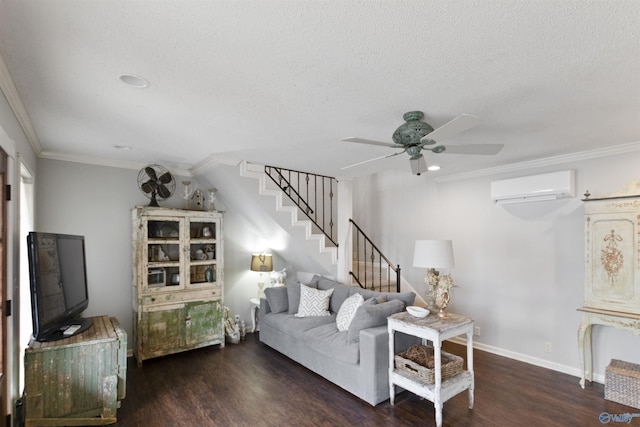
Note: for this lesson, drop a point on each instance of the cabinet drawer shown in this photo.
(182, 296)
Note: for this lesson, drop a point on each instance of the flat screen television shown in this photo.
(58, 284)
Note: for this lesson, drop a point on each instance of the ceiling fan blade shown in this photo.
(458, 125)
(371, 160)
(481, 149)
(370, 142)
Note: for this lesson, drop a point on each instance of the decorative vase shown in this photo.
(442, 301)
(208, 274)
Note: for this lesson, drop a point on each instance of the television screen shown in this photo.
(58, 282)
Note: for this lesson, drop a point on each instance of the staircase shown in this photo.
(370, 269)
(291, 218)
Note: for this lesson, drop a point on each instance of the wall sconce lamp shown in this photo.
(262, 263)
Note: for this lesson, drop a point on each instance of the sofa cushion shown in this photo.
(313, 302)
(327, 340)
(323, 283)
(407, 298)
(277, 298)
(368, 316)
(296, 326)
(293, 295)
(348, 311)
(340, 294)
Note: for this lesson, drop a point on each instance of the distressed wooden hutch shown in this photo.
(612, 268)
(178, 282)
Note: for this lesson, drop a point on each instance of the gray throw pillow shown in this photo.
(369, 316)
(408, 298)
(277, 299)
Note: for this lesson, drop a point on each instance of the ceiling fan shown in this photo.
(415, 135)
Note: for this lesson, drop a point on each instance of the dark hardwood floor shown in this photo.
(250, 384)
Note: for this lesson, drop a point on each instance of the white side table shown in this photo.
(432, 328)
(255, 306)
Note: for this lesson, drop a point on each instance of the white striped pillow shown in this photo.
(348, 311)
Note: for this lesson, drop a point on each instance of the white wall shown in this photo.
(96, 202)
(519, 267)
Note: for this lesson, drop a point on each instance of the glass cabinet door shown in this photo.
(203, 252)
(163, 254)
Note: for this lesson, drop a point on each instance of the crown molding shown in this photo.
(211, 162)
(98, 161)
(10, 92)
(547, 161)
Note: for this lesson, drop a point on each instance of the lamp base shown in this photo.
(260, 290)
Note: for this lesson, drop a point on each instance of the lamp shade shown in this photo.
(433, 254)
(261, 262)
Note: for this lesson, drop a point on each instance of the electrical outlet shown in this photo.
(547, 346)
(476, 331)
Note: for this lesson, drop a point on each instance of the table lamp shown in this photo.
(434, 254)
(262, 263)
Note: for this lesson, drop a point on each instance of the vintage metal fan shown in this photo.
(415, 135)
(156, 182)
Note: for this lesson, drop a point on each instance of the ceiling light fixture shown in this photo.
(433, 168)
(135, 80)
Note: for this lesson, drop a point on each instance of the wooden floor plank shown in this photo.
(250, 384)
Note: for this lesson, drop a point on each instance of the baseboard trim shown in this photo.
(599, 378)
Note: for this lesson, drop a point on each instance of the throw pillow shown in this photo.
(313, 302)
(347, 311)
(277, 299)
(372, 315)
(293, 295)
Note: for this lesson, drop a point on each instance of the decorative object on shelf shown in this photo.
(198, 200)
(208, 274)
(206, 232)
(156, 182)
(186, 193)
(200, 255)
(213, 192)
(277, 277)
(417, 311)
(434, 254)
(210, 251)
(262, 263)
(231, 328)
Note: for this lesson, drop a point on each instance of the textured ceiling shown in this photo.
(282, 82)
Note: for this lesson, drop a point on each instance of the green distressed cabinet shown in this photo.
(178, 282)
(76, 381)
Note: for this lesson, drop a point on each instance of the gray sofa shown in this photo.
(356, 359)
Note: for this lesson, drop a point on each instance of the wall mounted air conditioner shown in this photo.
(534, 188)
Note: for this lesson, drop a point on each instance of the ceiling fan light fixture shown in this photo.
(433, 168)
(135, 81)
(418, 165)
